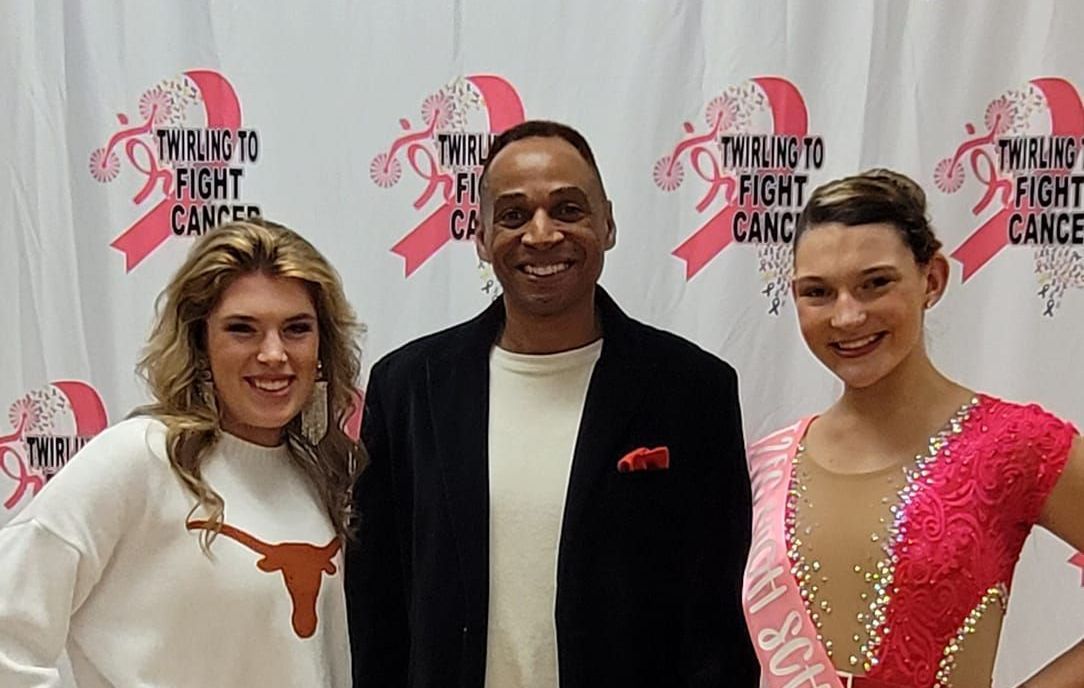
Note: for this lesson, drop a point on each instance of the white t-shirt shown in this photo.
(535, 406)
(105, 563)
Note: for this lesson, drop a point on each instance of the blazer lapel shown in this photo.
(458, 385)
(616, 390)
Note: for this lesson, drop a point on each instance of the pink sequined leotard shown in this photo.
(903, 575)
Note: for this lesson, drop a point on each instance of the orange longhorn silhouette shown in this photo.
(302, 566)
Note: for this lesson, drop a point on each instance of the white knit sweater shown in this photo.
(105, 563)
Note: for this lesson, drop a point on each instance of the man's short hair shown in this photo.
(543, 129)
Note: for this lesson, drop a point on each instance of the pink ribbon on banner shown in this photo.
(425, 239)
(1066, 119)
(984, 243)
(712, 237)
(87, 407)
(90, 419)
(504, 110)
(352, 422)
(145, 235)
(223, 111)
(789, 118)
(1078, 560)
(789, 114)
(22, 475)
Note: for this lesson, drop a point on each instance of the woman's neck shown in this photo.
(888, 422)
(915, 393)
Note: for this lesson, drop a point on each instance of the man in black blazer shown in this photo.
(621, 564)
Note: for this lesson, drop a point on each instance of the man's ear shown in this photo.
(611, 226)
(480, 236)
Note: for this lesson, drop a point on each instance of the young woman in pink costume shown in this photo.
(887, 528)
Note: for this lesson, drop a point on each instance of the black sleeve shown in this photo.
(375, 568)
(716, 648)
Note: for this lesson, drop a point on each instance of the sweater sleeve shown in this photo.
(54, 551)
(38, 579)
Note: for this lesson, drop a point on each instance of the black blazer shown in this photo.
(650, 562)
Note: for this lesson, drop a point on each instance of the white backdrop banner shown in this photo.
(130, 128)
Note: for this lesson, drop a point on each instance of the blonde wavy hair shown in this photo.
(176, 351)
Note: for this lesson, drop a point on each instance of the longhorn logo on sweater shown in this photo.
(302, 566)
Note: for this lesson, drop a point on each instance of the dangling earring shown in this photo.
(314, 415)
(205, 387)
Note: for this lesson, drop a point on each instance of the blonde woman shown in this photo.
(198, 542)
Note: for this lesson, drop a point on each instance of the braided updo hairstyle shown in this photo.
(874, 196)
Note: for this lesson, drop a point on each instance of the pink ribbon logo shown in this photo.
(28, 415)
(1078, 560)
(352, 420)
(989, 238)
(157, 107)
(503, 109)
(789, 118)
(24, 479)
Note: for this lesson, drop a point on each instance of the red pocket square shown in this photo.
(644, 459)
